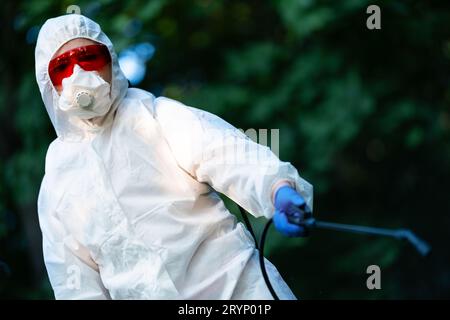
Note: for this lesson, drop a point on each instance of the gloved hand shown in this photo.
(290, 203)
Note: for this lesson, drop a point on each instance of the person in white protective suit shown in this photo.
(129, 205)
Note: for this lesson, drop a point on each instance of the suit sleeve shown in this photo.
(215, 152)
(72, 273)
(71, 278)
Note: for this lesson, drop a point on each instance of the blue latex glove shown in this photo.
(289, 202)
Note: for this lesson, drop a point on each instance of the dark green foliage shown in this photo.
(364, 115)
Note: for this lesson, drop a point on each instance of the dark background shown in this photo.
(363, 114)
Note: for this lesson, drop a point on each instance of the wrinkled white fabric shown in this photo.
(85, 94)
(130, 208)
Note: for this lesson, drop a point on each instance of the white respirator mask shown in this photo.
(85, 94)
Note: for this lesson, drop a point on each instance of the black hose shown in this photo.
(262, 263)
(248, 225)
(421, 246)
(261, 260)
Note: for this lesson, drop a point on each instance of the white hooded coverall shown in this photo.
(129, 208)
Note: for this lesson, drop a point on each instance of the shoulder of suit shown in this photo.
(167, 110)
(135, 101)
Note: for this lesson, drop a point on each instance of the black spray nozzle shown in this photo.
(310, 223)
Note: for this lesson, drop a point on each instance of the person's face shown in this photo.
(105, 72)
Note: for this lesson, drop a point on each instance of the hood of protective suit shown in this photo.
(54, 33)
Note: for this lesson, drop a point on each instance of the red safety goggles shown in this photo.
(89, 58)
